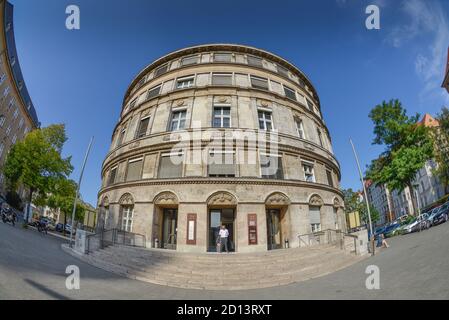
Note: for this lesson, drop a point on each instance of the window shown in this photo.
(300, 129)
(11, 104)
(143, 127)
(265, 120)
(259, 83)
(221, 164)
(315, 218)
(154, 92)
(178, 120)
(290, 93)
(26, 131)
(271, 167)
(330, 181)
(127, 218)
(309, 174)
(222, 57)
(170, 166)
(309, 104)
(16, 113)
(2, 78)
(189, 60)
(134, 169)
(8, 131)
(1, 149)
(320, 137)
(121, 137)
(282, 71)
(184, 83)
(222, 79)
(222, 117)
(112, 176)
(255, 62)
(141, 82)
(6, 91)
(2, 120)
(14, 139)
(132, 104)
(161, 70)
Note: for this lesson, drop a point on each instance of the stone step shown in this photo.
(221, 271)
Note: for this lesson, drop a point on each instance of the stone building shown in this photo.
(221, 135)
(17, 113)
(380, 197)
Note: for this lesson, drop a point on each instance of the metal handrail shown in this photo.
(338, 240)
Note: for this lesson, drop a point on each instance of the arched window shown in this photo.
(127, 218)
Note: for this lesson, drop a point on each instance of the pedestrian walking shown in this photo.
(224, 234)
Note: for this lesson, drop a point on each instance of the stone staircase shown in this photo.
(221, 271)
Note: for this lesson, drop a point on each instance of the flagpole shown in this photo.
(78, 190)
(365, 194)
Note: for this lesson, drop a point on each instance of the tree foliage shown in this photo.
(36, 162)
(353, 203)
(407, 147)
(441, 135)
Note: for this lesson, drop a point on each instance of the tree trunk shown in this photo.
(29, 210)
(414, 202)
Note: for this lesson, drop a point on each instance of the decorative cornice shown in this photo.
(222, 199)
(126, 199)
(166, 198)
(223, 181)
(277, 199)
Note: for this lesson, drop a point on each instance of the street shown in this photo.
(32, 266)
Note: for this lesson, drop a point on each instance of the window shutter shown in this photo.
(314, 214)
(168, 169)
(134, 170)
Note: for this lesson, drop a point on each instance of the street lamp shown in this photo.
(365, 194)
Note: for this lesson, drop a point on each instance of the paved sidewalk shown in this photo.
(32, 266)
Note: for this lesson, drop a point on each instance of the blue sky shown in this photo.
(79, 77)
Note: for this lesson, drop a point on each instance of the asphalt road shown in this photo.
(32, 266)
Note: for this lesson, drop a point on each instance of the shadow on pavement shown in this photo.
(46, 290)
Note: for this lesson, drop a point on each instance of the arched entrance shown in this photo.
(166, 220)
(276, 206)
(221, 208)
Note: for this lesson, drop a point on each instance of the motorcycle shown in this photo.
(8, 216)
(42, 227)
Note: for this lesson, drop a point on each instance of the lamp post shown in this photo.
(78, 191)
(365, 195)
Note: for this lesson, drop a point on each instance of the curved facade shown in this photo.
(17, 113)
(221, 134)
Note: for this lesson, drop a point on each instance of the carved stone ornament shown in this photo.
(264, 103)
(222, 198)
(277, 199)
(126, 199)
(105, 202)
(165, 198)
(337, 203)
(180, 103)
(316, 200)
(223, 99)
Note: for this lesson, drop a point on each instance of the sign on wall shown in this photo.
(252, 228)
(191, 228)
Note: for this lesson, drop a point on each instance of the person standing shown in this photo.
(224, 234)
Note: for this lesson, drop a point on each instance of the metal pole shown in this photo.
(364, 192)
(78, 190)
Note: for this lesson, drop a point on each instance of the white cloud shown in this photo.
(429, 22)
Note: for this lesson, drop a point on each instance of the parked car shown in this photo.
(441, 215)
(389, 231)
(60, 227)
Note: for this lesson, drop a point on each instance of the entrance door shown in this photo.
(169, 228)
(274, 238)
(217, 218)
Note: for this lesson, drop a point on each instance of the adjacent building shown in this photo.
(380, 197)
(17, 113)
(217, 135)
(446, 77)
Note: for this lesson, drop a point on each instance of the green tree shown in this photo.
(36, 162)
(62, 197)
(407, 147)
(375, 215)
(352, 200)
(441, 136)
